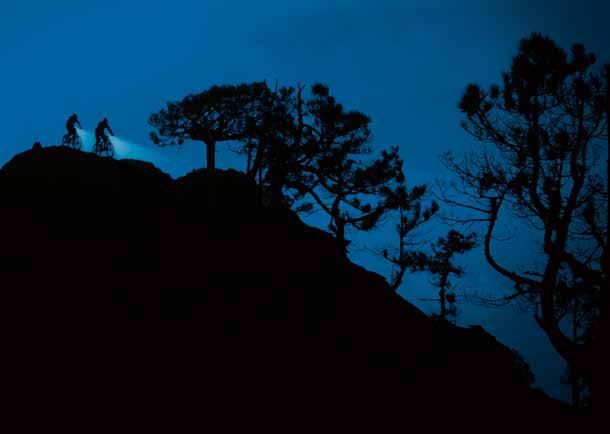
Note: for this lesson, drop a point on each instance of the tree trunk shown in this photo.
(601, 379)
(275, 175)
(442, 294)
(256, 166)
(210, 147)
(275, 189)
(574, 377)
(340, 233)
(337, 223)
(249, 161)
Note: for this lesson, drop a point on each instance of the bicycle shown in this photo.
(104, 149)
(72, 140)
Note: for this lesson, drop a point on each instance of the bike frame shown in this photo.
(103, 145)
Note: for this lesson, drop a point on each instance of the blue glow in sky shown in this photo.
(405, 63)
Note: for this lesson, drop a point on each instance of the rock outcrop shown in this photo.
(127, 293)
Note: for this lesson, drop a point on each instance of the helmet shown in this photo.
(74, 115)
(105, 120)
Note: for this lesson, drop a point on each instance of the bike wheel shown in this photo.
(65, 140)
(109, 151)
(77, 143)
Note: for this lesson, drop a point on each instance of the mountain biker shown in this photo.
(71, 125)
(101, 138)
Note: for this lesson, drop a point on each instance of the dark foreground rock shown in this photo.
(127, 294)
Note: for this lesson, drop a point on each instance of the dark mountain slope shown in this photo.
(126, 292)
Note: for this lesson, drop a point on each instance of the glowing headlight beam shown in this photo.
(123, 148)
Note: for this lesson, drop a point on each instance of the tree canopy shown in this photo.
(215, 115)
(541, 132)
(442, 265)
(302, 146)
(412, 213)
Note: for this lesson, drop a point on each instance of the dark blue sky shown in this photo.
(405, 63)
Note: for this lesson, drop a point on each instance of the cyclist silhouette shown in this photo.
(102, 142)
(71, 125)
(72, 139)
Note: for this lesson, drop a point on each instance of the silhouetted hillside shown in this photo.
(125, 293)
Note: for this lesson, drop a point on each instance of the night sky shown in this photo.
(404, 63)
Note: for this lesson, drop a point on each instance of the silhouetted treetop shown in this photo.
(442, 265)
(302, 146)
(215, 115)
(410, 211)
(542, 131)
